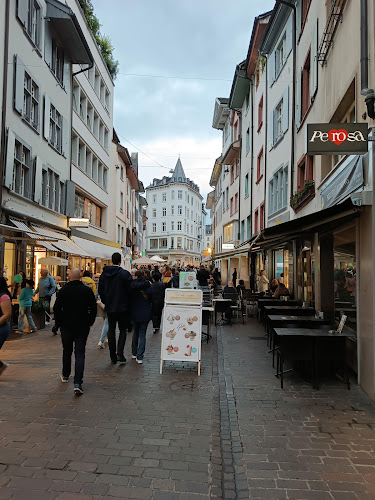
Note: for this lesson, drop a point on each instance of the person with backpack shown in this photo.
(5, 315)
(141, 308)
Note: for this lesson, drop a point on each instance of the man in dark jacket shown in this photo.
(75, 313)
(203, 276)
(114, 291)
(158, 295)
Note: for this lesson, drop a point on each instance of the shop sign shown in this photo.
(78, 222)
(227, 246)
(337, 138)
(345, 182)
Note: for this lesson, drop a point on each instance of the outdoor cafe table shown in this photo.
(284, 310)
(275, 303)
(312, 345)
(206, 320)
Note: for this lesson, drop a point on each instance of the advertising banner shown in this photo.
(337, 138)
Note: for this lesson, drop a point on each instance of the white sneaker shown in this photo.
(139, 361)
(101, 345)
(48, 323)
(134, 357)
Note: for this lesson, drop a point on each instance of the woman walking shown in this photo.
(5, 315)
(141, 306)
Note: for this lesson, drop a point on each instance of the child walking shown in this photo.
(26, 298)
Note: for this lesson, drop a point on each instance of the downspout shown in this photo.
(239, 178)
(265, 107)
(4, 101)
(293, 8)
(364, 46)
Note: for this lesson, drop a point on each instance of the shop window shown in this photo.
(172, 242)
(305, 172)
(153, 243)
(21, 180)
(260, 114)
(179, 242)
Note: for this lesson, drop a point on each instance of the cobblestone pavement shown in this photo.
(231, 433)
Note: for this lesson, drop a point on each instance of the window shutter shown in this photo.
(40, 29)
(38, 180)
(314, 62)
(271, 67)
(28, 181)
(65, 137)
(19, 85)
(270, 130)
(48, 45)
(289, 35)
(69, 204)
(298, 18)
(285, 123)
(9, 160)
(299, 99)
(47, 106)
(23, 11)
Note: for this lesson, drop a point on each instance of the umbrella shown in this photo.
(53, 261)
(156, 258)
(143, 261)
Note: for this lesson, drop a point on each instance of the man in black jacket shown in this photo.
(203, 276)
(114, 291)
(75, 313)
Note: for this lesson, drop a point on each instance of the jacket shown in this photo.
(175, 282)
(75, 306)
(203, 276)
(141, 302)
(46, 287)
(158, 294)
(89, 282)
(114, 288)
(26, 297)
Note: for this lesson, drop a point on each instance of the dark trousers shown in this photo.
(156, 316)
(77, 339)
(139, 339)
(122, 318)
(4, 334)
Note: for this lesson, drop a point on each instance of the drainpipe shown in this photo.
(293, 8)
(239, 177)
(4, 101)
(364, 46)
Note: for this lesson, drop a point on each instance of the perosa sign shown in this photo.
(337, 138)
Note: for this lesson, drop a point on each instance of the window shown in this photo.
(21, 181)
(118, 233)
(247, 140)
(231, 206)
(172, 210)
(280, 55)
(121, 201)
(305, 172)
(57, 62)
(172, 242)
(122, 173)
(248, 227)
(261, 216)
(164, 212)
(231, 174)
(164, 196)
(164, 227)
(172, 195)
(31, 101)
(260, 165)
(180, 195)
(179, 210)
(86, 208)
(278, 121)
(179, 242)
(260, 114)
(179, 226)
(55, 129)
(305, 85)
(153, 243)
(154, 227)
(228, 232)
(122, 236)
(246, 185)
(154, 198)
(188, 227)
(247, 101)
(256, 220)
(154, 213)
(278, 191)
(235, 202)
(29, 13)
(172, 225)
(163, 243)
(227, 198)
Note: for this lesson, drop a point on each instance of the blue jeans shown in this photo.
(104, 331)
(139, 339)
(4, 333)
(21, 318)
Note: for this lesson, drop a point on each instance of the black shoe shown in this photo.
(121, 360)
(78, 389)
(55, 329)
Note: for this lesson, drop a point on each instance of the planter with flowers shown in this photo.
(38, 311)
(301, 197)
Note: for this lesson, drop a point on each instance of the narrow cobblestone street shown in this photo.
(231, 433)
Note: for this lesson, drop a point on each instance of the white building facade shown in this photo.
(174, 219)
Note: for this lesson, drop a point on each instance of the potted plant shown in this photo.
(302, 195)
(38, 311)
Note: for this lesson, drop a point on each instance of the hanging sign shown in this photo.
(337, 138)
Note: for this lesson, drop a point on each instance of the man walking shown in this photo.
(75, 313)
(46, 287)
(114, 291)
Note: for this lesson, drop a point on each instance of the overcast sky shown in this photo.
(192, 39)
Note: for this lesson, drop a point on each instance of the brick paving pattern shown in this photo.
(231, 433)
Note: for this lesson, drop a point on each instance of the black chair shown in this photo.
(223, 307)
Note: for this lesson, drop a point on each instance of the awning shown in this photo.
(63, 244)
(35, 235)
(96, 250)
(69, 32)
(231, 154)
